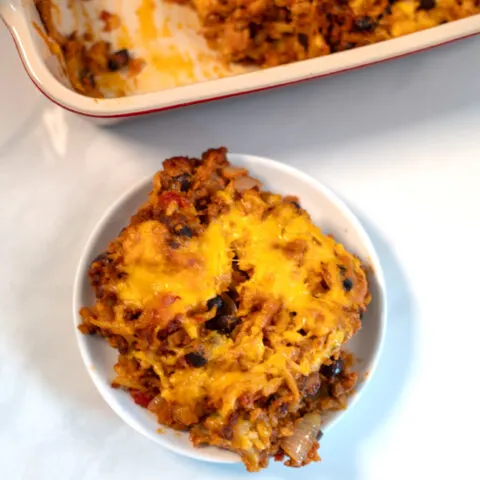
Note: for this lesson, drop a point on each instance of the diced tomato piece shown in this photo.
(141, 398)
(166, 198)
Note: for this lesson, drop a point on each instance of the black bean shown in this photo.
(184, 180)
(293, 314)
(347, 284)
(303, 40)
(302, 332)
(296, 204)
(335, 368)
(195, 359)
(364, 24)
(391, 2)
(215, 302)
(118, 60)
(229, 306)
(319, 435)
(184, 231)
(427, 4)
(222, 323)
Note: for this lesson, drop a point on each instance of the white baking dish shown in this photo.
(44, 69)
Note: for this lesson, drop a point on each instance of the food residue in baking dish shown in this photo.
(52, 46)
(163, 42)
(146, 20)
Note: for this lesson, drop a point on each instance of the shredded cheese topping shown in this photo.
(202, 269)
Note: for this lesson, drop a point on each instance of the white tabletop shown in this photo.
(399, 141)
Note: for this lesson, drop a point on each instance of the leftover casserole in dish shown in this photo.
(129, 57)
(258, 33)
(273, 32)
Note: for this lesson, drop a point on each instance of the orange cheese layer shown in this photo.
(203, 268)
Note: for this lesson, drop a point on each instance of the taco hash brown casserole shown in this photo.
(229, 309)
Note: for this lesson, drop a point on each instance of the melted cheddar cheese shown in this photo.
(202, 269)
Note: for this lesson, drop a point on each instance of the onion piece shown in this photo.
(155, 403)
(306, 432)
(233, 172)
(245, 183)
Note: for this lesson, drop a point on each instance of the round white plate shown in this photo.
(325, 209)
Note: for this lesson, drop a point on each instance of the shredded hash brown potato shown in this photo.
(229, 310)
(263, 32)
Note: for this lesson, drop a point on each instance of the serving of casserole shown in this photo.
(230, 312)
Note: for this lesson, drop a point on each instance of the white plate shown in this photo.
(326, 210)
(43, 67)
